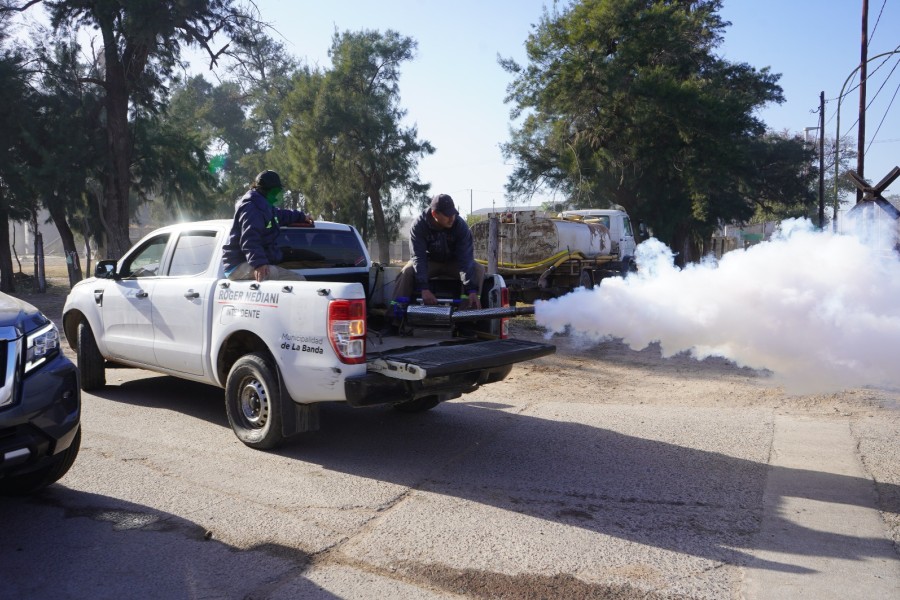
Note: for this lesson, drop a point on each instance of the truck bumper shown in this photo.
(449, 371)
(44, 422)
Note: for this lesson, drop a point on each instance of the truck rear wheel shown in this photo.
(253, 402)
(90, 361)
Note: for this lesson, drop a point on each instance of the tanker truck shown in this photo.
(544, 257)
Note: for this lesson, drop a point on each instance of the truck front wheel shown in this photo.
(253, 402)
(90, 362)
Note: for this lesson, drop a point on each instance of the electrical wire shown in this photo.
(883, 117)
(878, 20)
(886, 79)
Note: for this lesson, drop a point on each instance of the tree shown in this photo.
(241, 117)
(625, 102)
(141, 45)
(66, 148)
(347, 151)
(15, 120)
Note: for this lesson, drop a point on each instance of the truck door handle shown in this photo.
(141, 294)
(191, 294)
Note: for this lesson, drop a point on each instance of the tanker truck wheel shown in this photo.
(586, 279)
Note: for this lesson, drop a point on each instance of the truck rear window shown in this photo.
(308, 248)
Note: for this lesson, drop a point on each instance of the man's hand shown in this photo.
(473, 301)
(428, 298)
(261, 272)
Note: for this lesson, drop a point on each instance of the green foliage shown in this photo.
(141, 45)
(626, 102)
(346, 151)
(16, 122)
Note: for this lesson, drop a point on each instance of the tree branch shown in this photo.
(23, 8)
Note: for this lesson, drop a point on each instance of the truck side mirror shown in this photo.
(642, 229)
(105, 269)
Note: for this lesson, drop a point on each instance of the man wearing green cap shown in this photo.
(250, 252)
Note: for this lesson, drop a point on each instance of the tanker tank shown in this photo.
(529, 239)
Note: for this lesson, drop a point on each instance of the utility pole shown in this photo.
(861, 135)
(822, 160)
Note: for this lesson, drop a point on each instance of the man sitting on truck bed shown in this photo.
(250, 252)
(441, 246)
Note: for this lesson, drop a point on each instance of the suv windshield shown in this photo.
(309, 248)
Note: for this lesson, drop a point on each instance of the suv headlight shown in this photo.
(41, 346)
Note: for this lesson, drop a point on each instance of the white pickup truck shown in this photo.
(279, 348)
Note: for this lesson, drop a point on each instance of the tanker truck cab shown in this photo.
(616, 221)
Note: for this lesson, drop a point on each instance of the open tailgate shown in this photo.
(442, 360)
(443, 370)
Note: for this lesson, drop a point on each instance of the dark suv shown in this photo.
(40, 401)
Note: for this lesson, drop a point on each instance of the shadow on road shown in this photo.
(677, 498)
(65, 543)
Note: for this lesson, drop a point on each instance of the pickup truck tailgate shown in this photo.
(449, 369)
(438, 361)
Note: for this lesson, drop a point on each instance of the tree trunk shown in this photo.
(118, 176)
(117, 181)
(7, 283)
(86, 232)
(680, 245)
(40, 279)
(381, 235)
(58, 214)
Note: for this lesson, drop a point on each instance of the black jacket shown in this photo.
(430, 242)
(255, 230)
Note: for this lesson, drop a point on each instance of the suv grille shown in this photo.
(9, 354)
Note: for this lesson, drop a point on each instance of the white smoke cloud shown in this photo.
(821, 311)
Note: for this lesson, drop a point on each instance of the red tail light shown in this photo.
(347, 330)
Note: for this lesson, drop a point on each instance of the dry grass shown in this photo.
(57, 276)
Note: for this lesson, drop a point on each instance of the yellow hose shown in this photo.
(554, 261)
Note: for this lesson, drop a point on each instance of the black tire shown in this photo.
(253, 402)
(90, 361)
(586, 279)
(419, 404)
(29, 483)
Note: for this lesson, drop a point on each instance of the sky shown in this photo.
(454, 88)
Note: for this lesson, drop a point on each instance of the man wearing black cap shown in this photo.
(250, 252)
(441, 245)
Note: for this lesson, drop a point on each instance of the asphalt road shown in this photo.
(564, 493)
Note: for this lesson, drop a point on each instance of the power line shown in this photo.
(886, 79)
(876, 23)
(883, 117)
